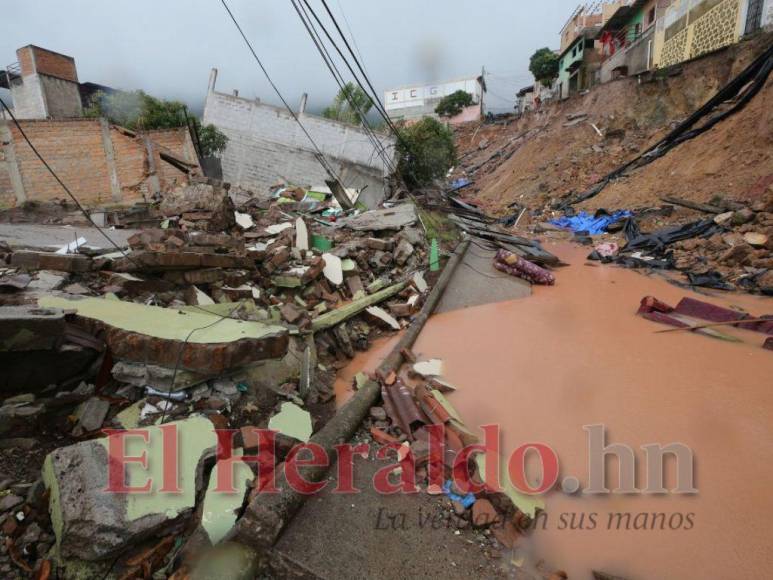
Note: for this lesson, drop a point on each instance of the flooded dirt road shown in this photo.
(576, 354)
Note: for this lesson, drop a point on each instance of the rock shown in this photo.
(756, 240)
(737, 255)
(291, 313)
(20, 399)
(723, 218)
(26, 443)
(378, 413)
(742, 216)
(403, 251)
(225, 387)
(90, 524)
(76, 289)
(9, 502)
(484, 513)
(459, 509)
(31, 534)
(765, 281)
(91, 415)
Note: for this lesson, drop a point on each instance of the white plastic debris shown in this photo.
(72, 247)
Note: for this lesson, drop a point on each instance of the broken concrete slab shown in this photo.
(221, 507)
(393, 218)
(30, 260)
(429, 368)
(195, 341)
(142, 374)
(90, 415)
(92, 524)
(25, 328)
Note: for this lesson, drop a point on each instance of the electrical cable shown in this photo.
(60, 182)
(317, 40)
(320, 157)
(220, 318)
(373, 94)
(379, 107)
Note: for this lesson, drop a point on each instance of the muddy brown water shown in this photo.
(576, 354)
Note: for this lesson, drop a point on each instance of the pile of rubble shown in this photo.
(227, 314)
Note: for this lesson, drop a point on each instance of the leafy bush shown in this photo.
(452, 104)
(543, 64)
(425, 152)
(211, 140)
(136, 110)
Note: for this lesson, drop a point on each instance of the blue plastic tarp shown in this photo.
(584, 222)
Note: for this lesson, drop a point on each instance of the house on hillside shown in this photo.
(579, 63)
(690, 28)
(524, 100)
(411, 103)
(627, 38)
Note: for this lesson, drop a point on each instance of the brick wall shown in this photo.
(35, 59)
(75, 149)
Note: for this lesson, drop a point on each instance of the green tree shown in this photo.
(425, 152)
(543, 64)
(342, 109)
(451, 105)
(211, 139)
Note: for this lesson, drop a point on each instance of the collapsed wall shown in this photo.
(266, 146)
(100, 163)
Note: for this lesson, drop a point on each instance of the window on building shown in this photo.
(651, 16)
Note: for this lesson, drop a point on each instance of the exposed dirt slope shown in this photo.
(543, 159)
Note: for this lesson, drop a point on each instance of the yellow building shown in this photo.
(690, 28)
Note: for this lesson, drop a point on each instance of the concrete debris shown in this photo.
(292, 421)
(213, 315)
(381, 314)
(90, 524)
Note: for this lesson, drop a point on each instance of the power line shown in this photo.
(360, 67)
(320, 157)
(374, 94)
(326, 57)
(61, 183)
(349, 28)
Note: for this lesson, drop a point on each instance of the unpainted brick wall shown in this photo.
(47, 62)
(75, 150)
(179, 143)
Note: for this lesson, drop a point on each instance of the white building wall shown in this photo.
(414, 102)
(28, 98)
(266, 146)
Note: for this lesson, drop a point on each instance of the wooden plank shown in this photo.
(704, 207)
(355, 307)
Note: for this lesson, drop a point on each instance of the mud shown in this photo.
(576, 354)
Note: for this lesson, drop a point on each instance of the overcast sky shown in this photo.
(167, 47)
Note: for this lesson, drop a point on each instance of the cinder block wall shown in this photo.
(101, 165)
(266, 146)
